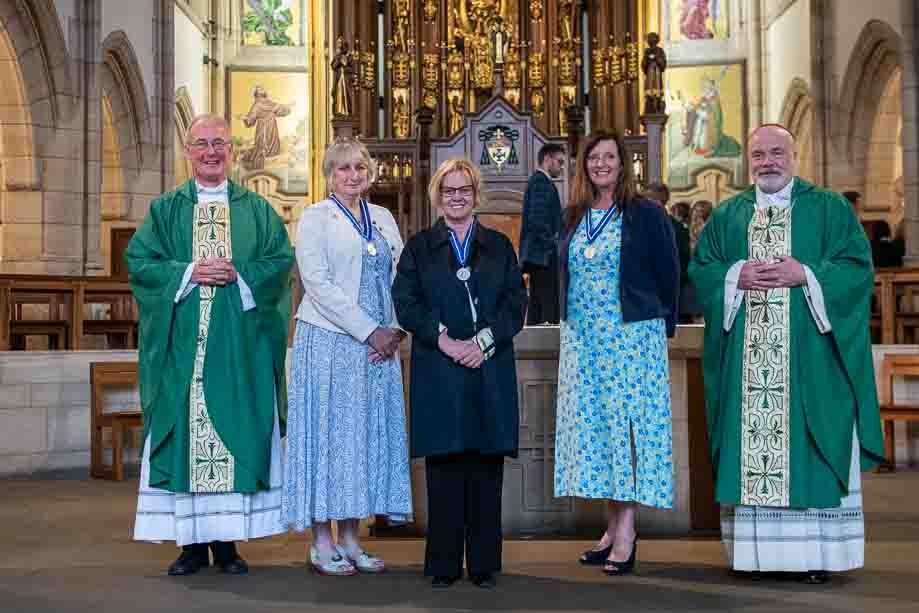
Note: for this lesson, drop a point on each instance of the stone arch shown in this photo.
(798, 116)
(184, 113)
(123, 84)
(873, 62)
(36, 79)
(34, 29)
(884, 165)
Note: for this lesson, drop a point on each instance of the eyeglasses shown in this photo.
(203, 143)
(464, 191)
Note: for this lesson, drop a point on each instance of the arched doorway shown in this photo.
(885, 157)
(798, 116)
(184, 113)
(20, 207)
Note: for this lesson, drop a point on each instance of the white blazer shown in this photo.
(329, 256)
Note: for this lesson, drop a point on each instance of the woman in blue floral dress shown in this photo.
(620, 286)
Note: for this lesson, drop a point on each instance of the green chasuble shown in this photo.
(781, 398)
(210, 372)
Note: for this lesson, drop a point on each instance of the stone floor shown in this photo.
(65, 546)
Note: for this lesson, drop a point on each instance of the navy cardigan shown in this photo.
(649, 286)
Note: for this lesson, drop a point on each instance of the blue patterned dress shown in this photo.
(612, 376)
(347, 454)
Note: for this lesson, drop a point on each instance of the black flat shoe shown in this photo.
(227, 560)
(236, 566)
(486, 581)
(192, 559)
(816, 577)
(613, 568)
(442, 581)
(595, 557)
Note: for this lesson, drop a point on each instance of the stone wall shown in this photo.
(45, 408)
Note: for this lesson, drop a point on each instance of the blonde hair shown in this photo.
(206, 118)
(456, 165)
(343, 149)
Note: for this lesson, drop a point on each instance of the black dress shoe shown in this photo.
(442, 581)
(485, 581)
(613, 568)
(595, 557)
(227, 560)
(816, 577)
(192, 559)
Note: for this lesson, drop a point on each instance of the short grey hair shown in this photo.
(205, 118)
(343, 149)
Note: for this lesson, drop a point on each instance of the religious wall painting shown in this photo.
(692, 20)
(269, 119)
(707, 124)
(272, 23)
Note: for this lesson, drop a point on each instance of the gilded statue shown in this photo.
(456, 114)
(653, 64)
(455, 69)
(400, 118)
(483, 69)
(342, 71)
(469, 13)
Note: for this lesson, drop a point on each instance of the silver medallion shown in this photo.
(463, 273)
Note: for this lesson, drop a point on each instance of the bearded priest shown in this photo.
(784, 271)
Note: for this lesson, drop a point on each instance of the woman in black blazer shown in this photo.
(459, 291)
(620, 279)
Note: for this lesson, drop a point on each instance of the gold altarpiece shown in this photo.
(441, 55)
(417, 70)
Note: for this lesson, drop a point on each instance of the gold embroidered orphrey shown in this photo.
(211, 466)
(764, 406)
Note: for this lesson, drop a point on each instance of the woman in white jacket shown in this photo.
(346, 442)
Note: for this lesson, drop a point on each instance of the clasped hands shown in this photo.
(765, 275)
(214, 271)
(384, 343)
(467, 353)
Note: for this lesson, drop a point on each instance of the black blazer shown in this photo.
(453, 408)
(541, 220)
(650, 283)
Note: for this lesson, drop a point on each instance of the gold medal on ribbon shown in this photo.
(371, 249)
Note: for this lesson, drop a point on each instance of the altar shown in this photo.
(529, 507)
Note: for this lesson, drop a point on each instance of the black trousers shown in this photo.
(464, 513)
(542, 306)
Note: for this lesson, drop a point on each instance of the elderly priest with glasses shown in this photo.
(209, 269)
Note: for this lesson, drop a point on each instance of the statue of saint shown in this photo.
(653, 64)
(341, 80)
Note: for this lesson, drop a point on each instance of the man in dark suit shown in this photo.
(539, 228)
(660, 193)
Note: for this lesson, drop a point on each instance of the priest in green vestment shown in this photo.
(784, 273)
(209, 268)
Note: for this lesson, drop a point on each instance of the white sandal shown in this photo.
(337, 566)
(364, 562)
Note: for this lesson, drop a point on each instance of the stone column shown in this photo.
(90, 62)
(910, 84)
(654, 164)
(755, 62)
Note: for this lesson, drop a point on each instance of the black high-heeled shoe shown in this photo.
(613, 568)
(595, 557)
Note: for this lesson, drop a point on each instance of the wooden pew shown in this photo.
(102, 375)
(69, 294)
